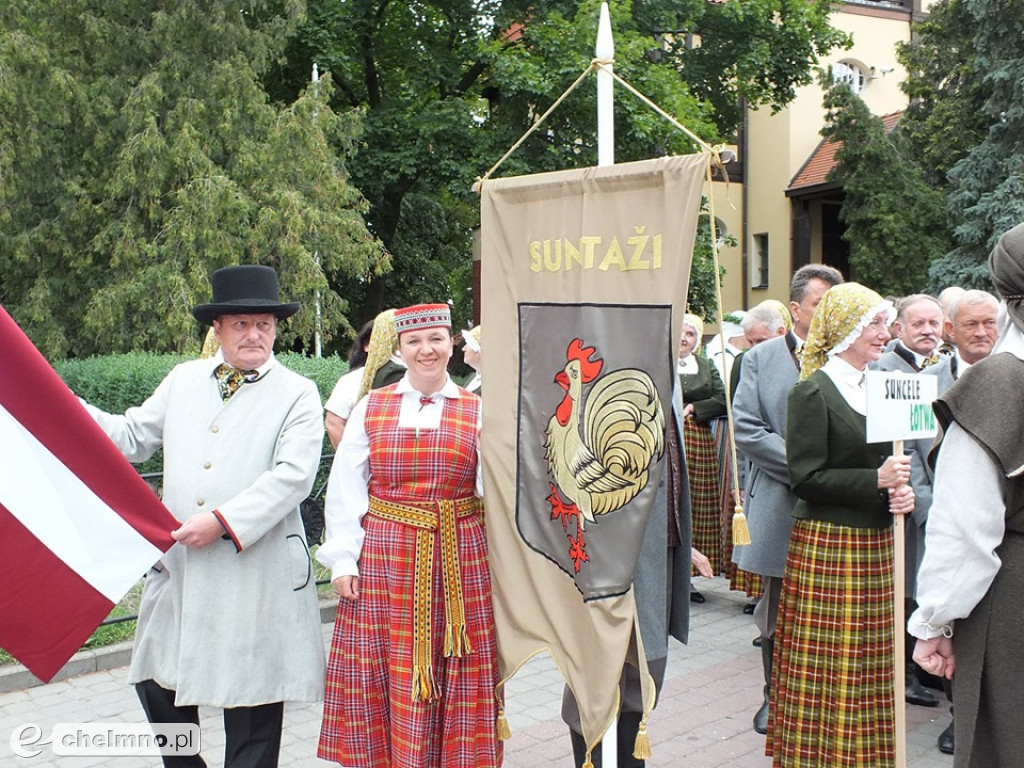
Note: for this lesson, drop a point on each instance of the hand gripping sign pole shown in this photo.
(900, 408)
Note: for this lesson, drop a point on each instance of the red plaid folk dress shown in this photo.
(374, 715)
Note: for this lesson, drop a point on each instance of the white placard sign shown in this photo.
(900, 405)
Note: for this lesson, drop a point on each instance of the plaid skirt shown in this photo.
(705, 500)
(371, 718)
(832, 677)
(739, 580)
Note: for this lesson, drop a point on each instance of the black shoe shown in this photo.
(946, 740)
(749, 608)
(756, 642)
(761, 716)
(918, 694)
(697, 597)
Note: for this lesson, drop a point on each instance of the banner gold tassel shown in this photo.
(501, 726)
(642, 745)
(740, 530)
(587, 761)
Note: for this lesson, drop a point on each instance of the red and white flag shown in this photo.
(78, 526)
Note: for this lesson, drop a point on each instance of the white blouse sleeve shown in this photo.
(347, 498)
(966, 524)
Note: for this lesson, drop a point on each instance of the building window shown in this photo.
(761, 260)
(851, 73)
(721, 233)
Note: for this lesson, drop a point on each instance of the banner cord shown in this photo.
(741, 533)
(595, 64)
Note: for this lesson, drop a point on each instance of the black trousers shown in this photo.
(252, 734)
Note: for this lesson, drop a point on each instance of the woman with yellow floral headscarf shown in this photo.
(832, 694)
(703, 401)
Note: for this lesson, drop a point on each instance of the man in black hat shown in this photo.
(229, 616)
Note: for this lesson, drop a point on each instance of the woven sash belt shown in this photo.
(428, 517)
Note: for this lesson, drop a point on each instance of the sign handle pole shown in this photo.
(899, 634)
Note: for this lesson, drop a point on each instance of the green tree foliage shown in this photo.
(986, 193)
(449, 85)
(702, 293)
(743, 53)
(895, 222)
(139, 151)
(945, 118)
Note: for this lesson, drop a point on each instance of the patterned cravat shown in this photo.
(229, 379)
(930, 361)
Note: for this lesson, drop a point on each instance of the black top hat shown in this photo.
(245, 289)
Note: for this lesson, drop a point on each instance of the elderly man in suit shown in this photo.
(971, 328)
(229, 616)
(918, 336)
(769, 371)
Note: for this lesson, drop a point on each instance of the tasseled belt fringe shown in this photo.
(428, 517)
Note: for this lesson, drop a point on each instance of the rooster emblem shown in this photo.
(599, 452)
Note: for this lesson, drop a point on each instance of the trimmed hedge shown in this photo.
(117, 382)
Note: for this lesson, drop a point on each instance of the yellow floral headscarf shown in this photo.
(782, 309)
(383, 343)
(843, 313)
(471, 338)
(697, 324)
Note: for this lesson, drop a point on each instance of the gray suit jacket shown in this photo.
(892, 361)
(759, 412)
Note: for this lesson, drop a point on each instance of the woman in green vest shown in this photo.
(832, 692)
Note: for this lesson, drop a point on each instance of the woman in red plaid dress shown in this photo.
(412, 670)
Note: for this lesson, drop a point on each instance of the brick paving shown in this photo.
(712, 687)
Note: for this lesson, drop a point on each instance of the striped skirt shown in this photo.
(705, 500)
(739, 580)
(371, 718)
(832, 678)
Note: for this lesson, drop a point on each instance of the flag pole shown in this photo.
(898, 629)
(317, 335)
(604, 51)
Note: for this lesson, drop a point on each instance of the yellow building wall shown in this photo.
(777, 147)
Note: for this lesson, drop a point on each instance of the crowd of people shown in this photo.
(229, 616)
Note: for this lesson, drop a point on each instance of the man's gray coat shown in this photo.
(225, 626)
(768, 373)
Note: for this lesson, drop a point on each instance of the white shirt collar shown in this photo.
(450, 388)
(961, 364)
(218, 358)
(849, 381)
(919, 359)
(687, 365)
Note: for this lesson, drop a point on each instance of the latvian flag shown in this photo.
(78, 526)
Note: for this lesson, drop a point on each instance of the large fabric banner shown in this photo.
(78, 526)
(584, 280)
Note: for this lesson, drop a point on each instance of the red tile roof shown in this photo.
(814, 172)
